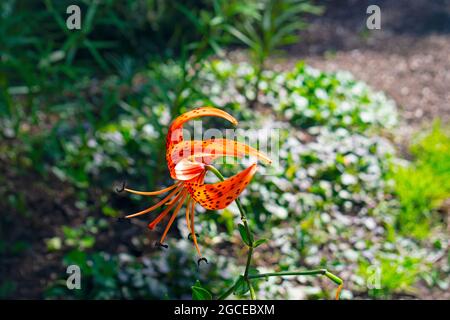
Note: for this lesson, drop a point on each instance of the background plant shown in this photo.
(422, 186)
(266, 26)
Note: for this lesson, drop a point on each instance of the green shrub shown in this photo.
(391, 274)
(424, 184)
(433, 151)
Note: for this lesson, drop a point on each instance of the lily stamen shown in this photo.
(174, 215)
(193, 235)
(153, 224)
(188, 209)
(156, 206)
(152, 193)
(338, 291)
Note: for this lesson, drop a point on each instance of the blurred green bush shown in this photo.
(423, 185)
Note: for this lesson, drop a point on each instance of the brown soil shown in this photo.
(32, 268)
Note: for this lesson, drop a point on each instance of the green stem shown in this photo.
(334, 278)
(249, 261)
(324, 272)
(224, 295)
(252, 290)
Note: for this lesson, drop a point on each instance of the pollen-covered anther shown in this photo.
(122, 188)
(190, 236)
(199, 261)
(161, 245)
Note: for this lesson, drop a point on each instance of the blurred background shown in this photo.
(363, 183)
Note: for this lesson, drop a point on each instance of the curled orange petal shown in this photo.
(226, 147)
(201, 112)
(208, 150)
(175, 133)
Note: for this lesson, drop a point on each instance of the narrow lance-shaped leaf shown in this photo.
(244, 234)
(200, 293)
(259, 242)
(241, 286)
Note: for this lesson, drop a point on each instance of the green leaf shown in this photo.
(241, 286)
(253, 271)
(87, 242)
(216, 21)
(189, 14)
(333, 278)
(240, 36)
(199, 293)
(198, 284)
(259, 242)
(79, 258)
(244, 234)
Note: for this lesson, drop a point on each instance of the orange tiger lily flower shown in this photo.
(187, 162)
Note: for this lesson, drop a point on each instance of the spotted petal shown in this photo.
(219, 195)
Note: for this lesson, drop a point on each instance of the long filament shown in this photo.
(194, 237)
(200, 180)
(174, 215)
(171, 201)
(338, 291)
(188, 208)
(156, 206)
(153, 224)
(152, 193)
